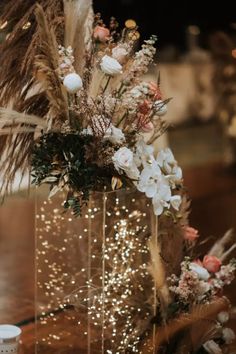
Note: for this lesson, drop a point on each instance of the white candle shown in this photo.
(9, 339)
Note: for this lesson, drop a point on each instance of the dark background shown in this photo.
(169, 19)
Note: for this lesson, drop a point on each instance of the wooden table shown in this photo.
(213, 190)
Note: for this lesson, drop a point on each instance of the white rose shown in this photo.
(123, 159)
(110, 66)
(115, 135)
(223, 317)
(73, 82)
(200, 271)
(212, 347)
(120, 54)
(160, 108)
(228, 335)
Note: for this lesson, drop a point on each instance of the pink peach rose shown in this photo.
(101, 33)
(212, 263)
(190, 234)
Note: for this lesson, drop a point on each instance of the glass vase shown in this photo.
(94, 292)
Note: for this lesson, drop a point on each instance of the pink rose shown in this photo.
(190, 234)
(101, 33)
(212, 263)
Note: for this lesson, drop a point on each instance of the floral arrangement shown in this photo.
(92, 138)
(101, 145)
(200, 285)
(80, 118)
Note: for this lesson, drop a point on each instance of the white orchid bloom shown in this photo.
(168, 164)
(144, 153)
(161, 198)
(166, 160)
(150, 180)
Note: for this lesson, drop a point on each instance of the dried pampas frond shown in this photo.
(77, 24)
(157, 270)
(11, 117)
(224, 246)
(171, 232)
(184, 210)
(16, 137)
(19, 49)
(204, 312)
(46, 64)
(193, 339)
(201, 332)
(76, 12)
(15, 158)
(18, 85)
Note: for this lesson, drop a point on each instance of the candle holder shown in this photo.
(9, 339)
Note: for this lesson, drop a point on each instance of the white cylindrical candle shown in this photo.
(9, 339)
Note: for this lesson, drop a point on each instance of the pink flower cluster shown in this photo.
(186, 287)
(145, 108)
(193, 286)
(189, 287)
(223, 277)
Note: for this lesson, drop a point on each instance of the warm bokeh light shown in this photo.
(26, 25)
(3, 25)
(195, 30)
(234, 53)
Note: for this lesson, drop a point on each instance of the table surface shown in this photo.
(212, 189)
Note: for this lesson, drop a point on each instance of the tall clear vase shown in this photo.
(94, 293)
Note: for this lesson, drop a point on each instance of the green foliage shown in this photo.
(62, 161)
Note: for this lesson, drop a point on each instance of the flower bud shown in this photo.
(110, 66)
(73, 83)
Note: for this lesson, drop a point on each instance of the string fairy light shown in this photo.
(94, 271)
